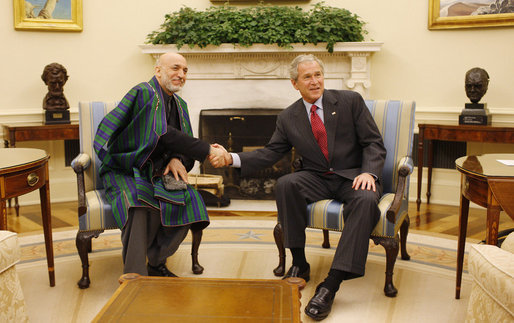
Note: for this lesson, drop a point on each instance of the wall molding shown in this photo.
(29, 115)
(450, 115)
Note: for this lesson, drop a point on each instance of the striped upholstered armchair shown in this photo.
(94, 212)
(395, 120)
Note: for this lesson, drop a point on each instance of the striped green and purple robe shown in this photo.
(124, 141)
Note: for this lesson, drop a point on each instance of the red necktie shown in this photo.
(318, 129)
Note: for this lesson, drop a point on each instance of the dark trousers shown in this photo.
(294, 191)
(145, 237)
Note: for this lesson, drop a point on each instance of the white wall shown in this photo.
(104, 61)
(429, 66)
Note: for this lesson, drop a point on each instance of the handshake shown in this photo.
(219, 157)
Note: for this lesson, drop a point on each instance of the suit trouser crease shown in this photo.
(145, 237)
(293, 193)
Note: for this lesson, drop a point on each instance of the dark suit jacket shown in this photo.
(354, 141)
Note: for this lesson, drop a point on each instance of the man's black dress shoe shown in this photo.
(320, 304)
(294, 271)
(161, 270)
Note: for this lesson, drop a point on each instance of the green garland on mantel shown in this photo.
(281, 25)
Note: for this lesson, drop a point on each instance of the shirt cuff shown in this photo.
(236, 161)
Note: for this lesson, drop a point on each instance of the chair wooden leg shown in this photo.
(197, 238)
(326, 241)
(404, 231)
(391, 247)
(90, 245)
(83, 243)
(279, 241)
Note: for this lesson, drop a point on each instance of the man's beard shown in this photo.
(169, 85)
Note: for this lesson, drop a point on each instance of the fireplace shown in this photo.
(243, 130)
(249, 78)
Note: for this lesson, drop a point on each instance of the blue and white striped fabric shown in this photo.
(98, 215)
(395, 120)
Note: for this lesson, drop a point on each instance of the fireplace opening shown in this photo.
(243, 130)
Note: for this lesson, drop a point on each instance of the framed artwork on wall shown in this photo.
(451, 14)
(48, 15)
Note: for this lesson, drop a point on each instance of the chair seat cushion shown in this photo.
(9, 250)
(328, 214)
(98, 215)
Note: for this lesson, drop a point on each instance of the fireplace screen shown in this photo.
(243, 130)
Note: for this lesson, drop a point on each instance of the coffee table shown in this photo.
(163, 299)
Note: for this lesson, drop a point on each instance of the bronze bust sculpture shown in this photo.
(55, 76)
(55, 104)
(476, 83)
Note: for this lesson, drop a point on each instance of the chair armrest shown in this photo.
(405, 167)
(508, 243)
(81, 162)
(79, 165)
(406, 164)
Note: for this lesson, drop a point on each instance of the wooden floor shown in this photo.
(433, 218)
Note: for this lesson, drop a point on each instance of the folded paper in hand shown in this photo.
(171, 184)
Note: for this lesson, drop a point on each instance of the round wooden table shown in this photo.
(23, 170)
(488, 182)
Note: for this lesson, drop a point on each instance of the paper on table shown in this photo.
(507, 162)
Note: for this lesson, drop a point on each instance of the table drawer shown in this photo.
(24, 181)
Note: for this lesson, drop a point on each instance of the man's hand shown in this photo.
(176, 167)
(219, 157)
(364, 182)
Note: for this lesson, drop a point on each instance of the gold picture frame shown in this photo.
(48, 15)
(462, 18)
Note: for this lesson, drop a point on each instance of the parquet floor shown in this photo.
(432, 218)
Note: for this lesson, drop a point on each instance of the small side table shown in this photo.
(455, 132)
(490, 184)
(23, 170)
(14, 133)
(35, 131)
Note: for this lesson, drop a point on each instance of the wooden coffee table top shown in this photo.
(160, 299)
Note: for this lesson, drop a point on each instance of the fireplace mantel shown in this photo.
(368, 47)
(349, 63)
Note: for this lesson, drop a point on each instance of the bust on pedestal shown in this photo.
(55, 104)
(476, 83)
